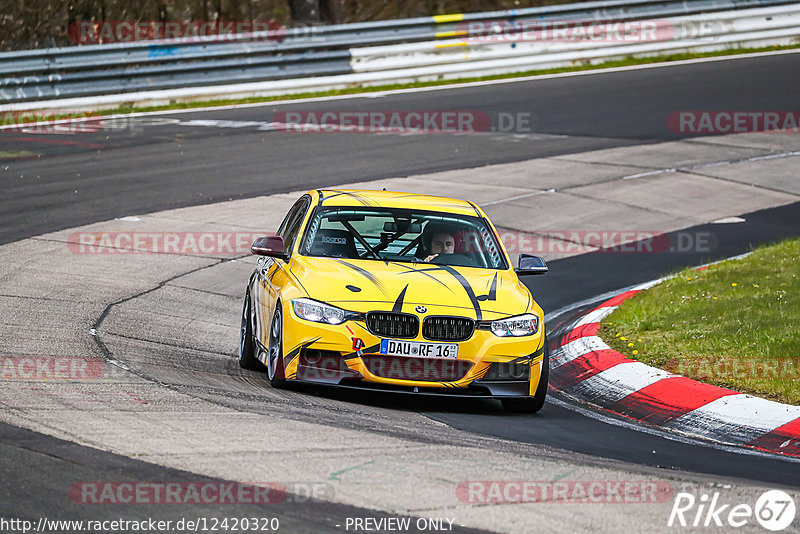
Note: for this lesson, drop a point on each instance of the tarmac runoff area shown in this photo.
(165, 328)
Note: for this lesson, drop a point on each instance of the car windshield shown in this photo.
(387, 234)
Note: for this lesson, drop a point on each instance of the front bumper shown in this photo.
(476, 390)
(326, 354)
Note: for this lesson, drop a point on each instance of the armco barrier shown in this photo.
(699, 32)
(323, 57)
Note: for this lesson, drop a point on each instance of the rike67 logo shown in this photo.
(774, 510)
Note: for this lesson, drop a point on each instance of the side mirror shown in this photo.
(271, 245)
(530, 264)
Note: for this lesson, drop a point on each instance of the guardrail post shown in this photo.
(305, 11)
(333, 11)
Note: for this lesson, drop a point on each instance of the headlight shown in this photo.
(521, 325)
(318, 312)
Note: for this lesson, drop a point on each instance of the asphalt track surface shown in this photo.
(42, 468)
(66, 182)
(71, 180)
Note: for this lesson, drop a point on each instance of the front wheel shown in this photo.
(275, 371)
(535, 403)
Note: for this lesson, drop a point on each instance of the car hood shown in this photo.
(364, 285)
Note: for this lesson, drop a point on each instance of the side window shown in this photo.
(289, 217)
(291, 224)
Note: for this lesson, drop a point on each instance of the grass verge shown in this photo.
(734, 324)
(630, 61)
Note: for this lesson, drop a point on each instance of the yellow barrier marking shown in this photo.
(17, 154)
(450, 34)
(441, 19)
(450, 45)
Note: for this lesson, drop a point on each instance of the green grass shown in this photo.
(735, 324)
(630, 61)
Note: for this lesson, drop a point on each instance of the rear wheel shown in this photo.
(536, 402)
(247, 346)
(275, 371)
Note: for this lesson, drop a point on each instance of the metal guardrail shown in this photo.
(297, 53)
(697, 33)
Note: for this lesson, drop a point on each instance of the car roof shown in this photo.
(395, 199)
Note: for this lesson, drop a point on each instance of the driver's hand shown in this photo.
(430, 258)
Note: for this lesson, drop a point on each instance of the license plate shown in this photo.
(415, 349)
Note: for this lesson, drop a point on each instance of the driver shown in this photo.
(439, 242)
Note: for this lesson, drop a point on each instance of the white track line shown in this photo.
(669, 435)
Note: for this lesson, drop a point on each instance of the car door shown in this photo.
(271, 272)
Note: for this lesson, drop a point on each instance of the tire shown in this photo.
(247, 345)
(275, 371)
(536, 402)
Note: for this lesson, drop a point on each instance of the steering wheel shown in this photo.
(459, 260)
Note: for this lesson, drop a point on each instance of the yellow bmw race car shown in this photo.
(394, 291)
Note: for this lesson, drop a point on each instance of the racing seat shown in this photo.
(334, 243)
